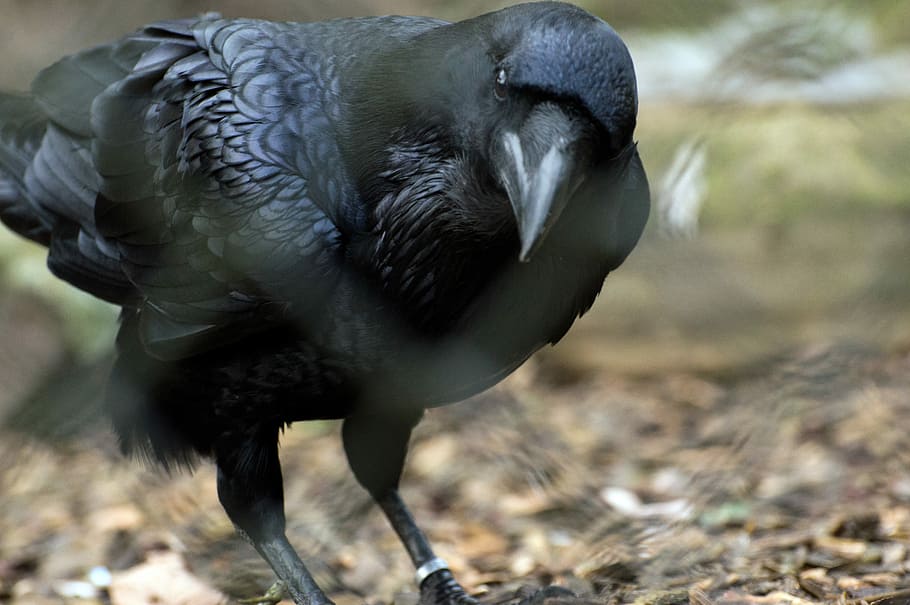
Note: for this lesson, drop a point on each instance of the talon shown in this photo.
(440, 588)
(274, 595)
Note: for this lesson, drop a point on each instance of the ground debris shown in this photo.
(162, 578)
(775, 498)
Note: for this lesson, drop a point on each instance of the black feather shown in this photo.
(324, 220)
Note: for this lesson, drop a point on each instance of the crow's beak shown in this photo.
(540, 168)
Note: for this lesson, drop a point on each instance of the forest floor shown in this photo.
(788, 483)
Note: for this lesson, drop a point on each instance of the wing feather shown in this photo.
(245, 223)
(177, 171)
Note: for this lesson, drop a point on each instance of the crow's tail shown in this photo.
(22, 126)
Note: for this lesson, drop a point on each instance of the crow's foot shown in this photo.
(440, 588)
(275, 594)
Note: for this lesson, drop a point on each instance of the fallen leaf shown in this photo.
(161, 579)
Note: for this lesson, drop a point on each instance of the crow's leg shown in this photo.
(252, 493)
(376, 445)
(437, 585)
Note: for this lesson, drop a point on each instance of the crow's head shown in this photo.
(565, 102)
(538, 96)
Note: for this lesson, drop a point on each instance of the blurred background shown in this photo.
(745, 376)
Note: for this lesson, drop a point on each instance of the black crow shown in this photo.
(357, 219)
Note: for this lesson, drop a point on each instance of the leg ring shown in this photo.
(427, 569)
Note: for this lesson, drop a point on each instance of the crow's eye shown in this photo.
(501, 84)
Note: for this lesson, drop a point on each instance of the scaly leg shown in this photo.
(251, 491)
(376, 445)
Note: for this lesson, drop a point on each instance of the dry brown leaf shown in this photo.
(817, 582)
(123, 517)
(850, 550)
(698, 597)
(478, 541)
(777, 597)
(162, 579)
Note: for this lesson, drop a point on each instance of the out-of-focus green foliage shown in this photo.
(625, 14)
(88, 324)
(891, 16)
(767, 165)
